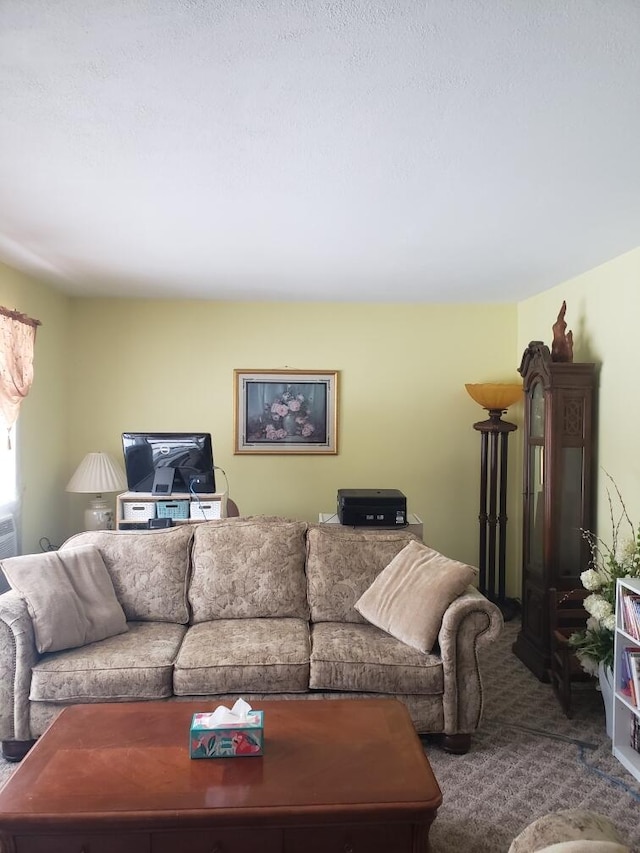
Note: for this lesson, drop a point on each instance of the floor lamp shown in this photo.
(494, 432)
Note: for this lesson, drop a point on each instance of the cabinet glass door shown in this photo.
(536, 479)
(570, 544)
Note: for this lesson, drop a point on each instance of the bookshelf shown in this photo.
(626, 713)
(133, 509)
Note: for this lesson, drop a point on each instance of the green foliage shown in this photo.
(593, 645)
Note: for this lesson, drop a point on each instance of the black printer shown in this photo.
(372, 507)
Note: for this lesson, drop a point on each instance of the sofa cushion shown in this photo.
(364, 658)
(69, 596)
(342, 563)
(148, 568)
(135, 665)
(248, 570)
(409, 597)
(242, 656)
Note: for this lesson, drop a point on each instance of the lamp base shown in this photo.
(98, 515)
(509, 607)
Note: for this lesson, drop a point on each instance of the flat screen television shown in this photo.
(166, 462)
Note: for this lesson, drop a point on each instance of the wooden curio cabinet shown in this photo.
(559, 444)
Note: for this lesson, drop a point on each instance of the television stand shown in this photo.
(134, 509)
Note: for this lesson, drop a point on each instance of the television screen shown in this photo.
(166, 462)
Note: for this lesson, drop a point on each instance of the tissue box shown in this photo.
(228, 740)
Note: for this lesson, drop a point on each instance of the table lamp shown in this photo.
(96, 474)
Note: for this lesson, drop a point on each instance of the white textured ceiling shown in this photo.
(441, 150)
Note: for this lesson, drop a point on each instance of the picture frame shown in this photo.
(286, 411)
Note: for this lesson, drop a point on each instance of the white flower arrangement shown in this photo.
(592, 579)
(598, 607)
(594, 644)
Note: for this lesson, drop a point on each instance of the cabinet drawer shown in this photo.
(228, 840)
(374, 838)
(126, 843)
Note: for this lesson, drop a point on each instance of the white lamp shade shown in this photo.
(96, 474)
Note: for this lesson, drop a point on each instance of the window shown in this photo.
(17, 339)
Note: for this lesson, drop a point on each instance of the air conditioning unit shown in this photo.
(8, 537)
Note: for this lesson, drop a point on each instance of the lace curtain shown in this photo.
(17, 338)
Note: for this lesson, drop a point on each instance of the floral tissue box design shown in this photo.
(208, 739)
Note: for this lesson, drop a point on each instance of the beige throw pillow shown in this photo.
(69, 596)
(409, 597)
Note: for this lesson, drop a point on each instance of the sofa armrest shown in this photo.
(18, 654)
(468, 623)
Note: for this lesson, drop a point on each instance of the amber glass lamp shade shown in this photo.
(495, 396)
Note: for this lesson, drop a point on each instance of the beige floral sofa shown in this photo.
(253, 607)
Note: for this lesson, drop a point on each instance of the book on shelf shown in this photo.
(634, 665)
(635, 733)
(631, 614)
(635, 606)
(627, 685)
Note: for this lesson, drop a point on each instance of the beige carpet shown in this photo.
(525, 761)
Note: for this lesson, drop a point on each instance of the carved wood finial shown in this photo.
(536, 351)
(562, 345)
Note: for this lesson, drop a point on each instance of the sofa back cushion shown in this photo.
(248, 569)
(148, 569)
(342, 563)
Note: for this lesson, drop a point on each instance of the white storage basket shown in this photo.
(205, 510)
(138, 510)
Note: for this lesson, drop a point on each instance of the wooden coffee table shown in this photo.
(336, 775)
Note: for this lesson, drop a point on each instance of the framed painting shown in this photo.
(286, 411)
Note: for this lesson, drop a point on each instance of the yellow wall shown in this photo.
(405, 419)
(603, 310)
(105, 366)
(43, 421)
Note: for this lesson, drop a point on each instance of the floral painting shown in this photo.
(288, 411)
